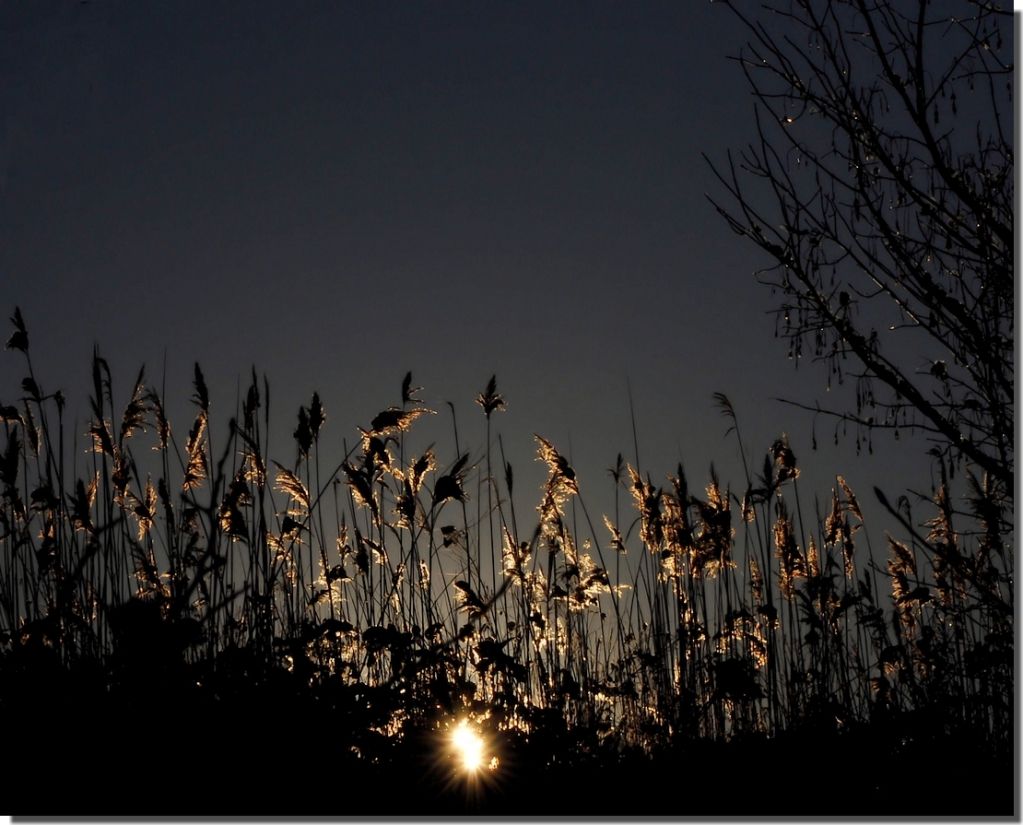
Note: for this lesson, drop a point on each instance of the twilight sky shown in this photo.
(340, 192)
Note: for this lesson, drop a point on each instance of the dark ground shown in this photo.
(238, 748)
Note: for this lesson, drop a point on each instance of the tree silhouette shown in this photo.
(880, 182)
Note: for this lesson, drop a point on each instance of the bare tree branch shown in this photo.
(880, 183)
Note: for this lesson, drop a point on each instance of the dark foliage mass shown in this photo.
(300, 637)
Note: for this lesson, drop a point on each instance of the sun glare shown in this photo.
(469, 746)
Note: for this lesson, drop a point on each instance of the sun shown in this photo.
(468, 752)
(468, 745)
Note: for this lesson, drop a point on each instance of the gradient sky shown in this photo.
(340, 192)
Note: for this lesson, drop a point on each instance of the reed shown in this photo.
(407, 588)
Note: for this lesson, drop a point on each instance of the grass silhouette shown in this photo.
(177, 618)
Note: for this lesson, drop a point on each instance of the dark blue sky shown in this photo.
(340, 192)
